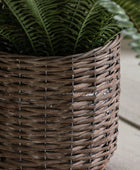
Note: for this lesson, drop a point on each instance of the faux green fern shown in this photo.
(44, 27)
(127, 13)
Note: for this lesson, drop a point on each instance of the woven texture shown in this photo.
(59, 113)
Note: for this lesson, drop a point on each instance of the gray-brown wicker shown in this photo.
(59, 113)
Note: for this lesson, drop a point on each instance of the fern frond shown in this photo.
(129, 11)
(132, 9)
(52, 27)
(28, 23)
(47, 16)
(81, 12)
(11, 33)
(6, 46)
(88, 25)
(106, 31)
(15, 37)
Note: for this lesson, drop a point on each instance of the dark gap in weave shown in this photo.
(117, 87)
(118, 61)
(110, 104)
(115, 144)
(106, 144)
(110, 51)
(107, 120)
(5, 69)
(117, 108)
(107, 100)
(111, 58)
(17, 83)
(118, 47)
(108, 90)
(2, 100)
(116, 130)
(115, 138)
(99, 74)
(117, 93)
(106, 156)
(117, 77)
(22, 132)
(1, 77)
(25, 77)
(23, 161)
(3, 62)
(25, 69)
(24, 126)
(97, 67)
(1, 123)
(108, 127)
(2, 159)
(117, 70)
(108, 112)
(76, 76)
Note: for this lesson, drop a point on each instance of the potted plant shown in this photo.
(60, 81)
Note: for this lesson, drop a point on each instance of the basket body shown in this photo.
(59, 113)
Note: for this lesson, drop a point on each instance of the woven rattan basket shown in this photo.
(59, 113)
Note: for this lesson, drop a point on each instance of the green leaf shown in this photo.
(127, 15)
(65, 27)
(27, 22)
(138, 56)
(47, 17)
(123, 24)
(15, 36)
(121, 18)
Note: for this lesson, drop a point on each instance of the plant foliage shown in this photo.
(127, 13)
(44, 27)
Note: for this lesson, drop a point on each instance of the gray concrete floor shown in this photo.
(130, 85)
(127, 156)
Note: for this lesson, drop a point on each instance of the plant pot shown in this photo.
(59, 113)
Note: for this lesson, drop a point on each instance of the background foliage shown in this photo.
(44, 27)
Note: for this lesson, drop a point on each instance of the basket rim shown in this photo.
(95, 50)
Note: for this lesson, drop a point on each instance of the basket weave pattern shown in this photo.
(59, 113)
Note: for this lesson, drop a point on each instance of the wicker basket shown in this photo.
(59, 113)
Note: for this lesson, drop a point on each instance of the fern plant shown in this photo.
(128, 16)
(44, 27)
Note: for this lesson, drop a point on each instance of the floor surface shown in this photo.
(127, 156)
